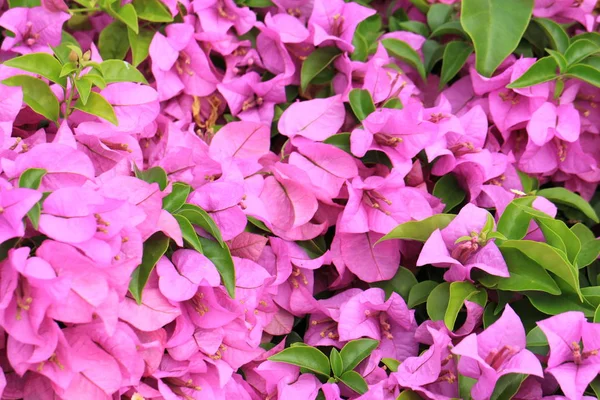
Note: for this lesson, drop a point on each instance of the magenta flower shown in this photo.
(497, 351)
(14, 205)
(220, 15)
(462, 246)
(179, 64)
(574, 344)
(35, 29)
(433, 373)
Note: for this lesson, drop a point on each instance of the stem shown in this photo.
(68, 109)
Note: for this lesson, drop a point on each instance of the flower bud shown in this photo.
(73, 56)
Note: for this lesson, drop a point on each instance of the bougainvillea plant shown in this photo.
(299, 199)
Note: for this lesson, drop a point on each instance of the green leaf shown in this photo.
(84, 88)
(496, 28)
(433, 52)
(37, 95)
(113, 42)
(419, 230)
(455, 57)
(560, 195)
(464, 387)
(556, 34)
(98, 106)
(152, 10)
(339, 140)
(536, 338)
(597, 315)
(152, 175)
(529, 183)
(543, 70)
(507, 386)
(259, 224)
(586, 73)
(525, 274)
(201, 218)
(422, 5)
(121, 71)
(438, 14)
(39, 63)
(589, 253)
(567, 301)
(595, 385)
(315, 63)
(549, 258)
(437, 301)
(580, 50)
(221, 257)
(459, 292)
(591, 294)
(355, 382)
(337, 365)
(174, 200)
(355, 351)
(414, 26)
(128, 16)
(419, 293)
(24, 3)
(561, 61)
(32, 178)
(514, 222)
(258, 3)
(154, 248)
(305, 357)
(408, 395)
(34, 215)
(557, 234)
(361, 103)
(402, 51)
(449, 191)
(365, 37)
(449, 28)
(189, 234)
(391, 363)
(402, 283)
(394, 103)
(140, 45)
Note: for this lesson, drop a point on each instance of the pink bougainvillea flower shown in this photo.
(443, 250)
(574, 342)
(10, 105)
(495, 352)
(335, 21)
(179, 280)
(14, 205)
(179, 64)
(433, 373)
(251, 99)
(551, 121)
(35, 29)
(368, 314)
(564, 10)
(313, 119)
(220, 15)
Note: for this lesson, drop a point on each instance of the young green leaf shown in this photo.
(561, 61)
(189, 234)
(459, 292)
(84, 88)
(414, 26)
(221, 257)
(409, 395)
(307, 357)
(449, 191)
(355, 351)
(113, 42)
(433, 52)
(154, 248)
(174, 200)
(140, 45)
(361, 103)
(496, 28)
(585, 72)
(98, 106)
(152, 10)
(37, 95)
(449, 28)
(39, 63)
(556, 34)
(128, 16)
(438, 14)
(152, 175)
(121, 71)
(202, 219)
(337, 365)
(543, 70)
(402, 51)
(507, 386)
(419, 293)
(339, 140)
(32, 178)
(355, 382)
(391, 363)
(580, 50)
(560, 195)
(316, 63)
(419, 230)
(437, 301)
(455, 57)
(525, 274)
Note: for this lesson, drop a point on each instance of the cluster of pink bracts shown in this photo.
(71, 330)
